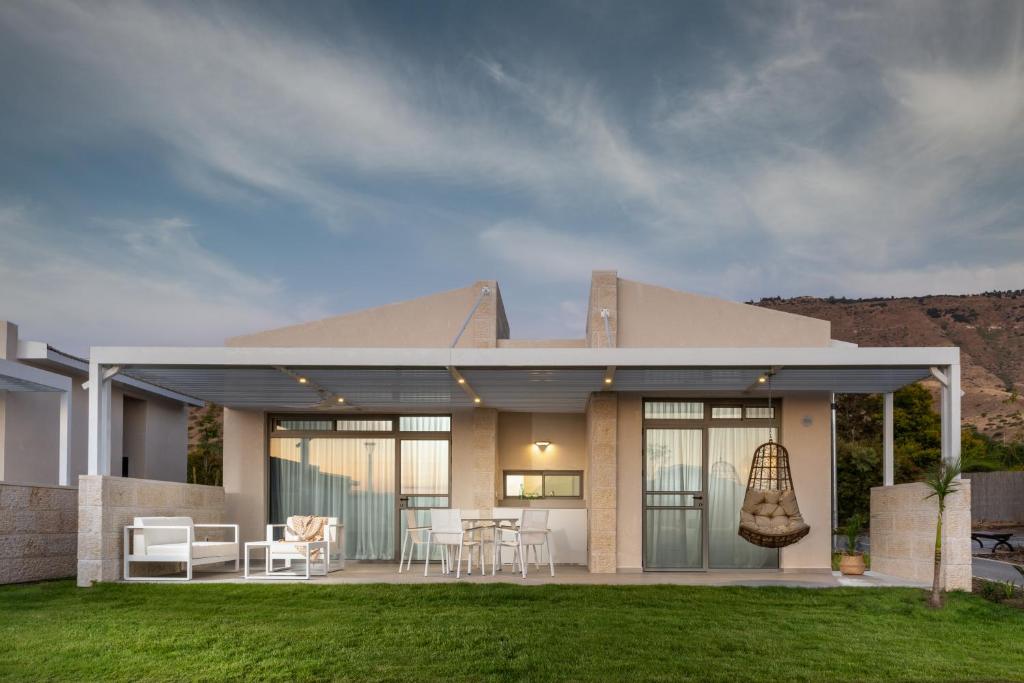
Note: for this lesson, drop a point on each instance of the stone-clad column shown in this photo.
(485, 457)
(602, 457)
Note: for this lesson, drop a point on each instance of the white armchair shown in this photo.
(173, 539)
(286, 545)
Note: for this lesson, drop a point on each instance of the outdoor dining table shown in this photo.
(481, 522)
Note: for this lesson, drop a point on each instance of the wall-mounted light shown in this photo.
(542, 445)
(476, 399)
(762, 379)
(341, 400)
(303, 380)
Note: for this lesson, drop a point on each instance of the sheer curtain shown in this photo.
(674, 461)
(424, 480)
(730, 452)
(349, 478)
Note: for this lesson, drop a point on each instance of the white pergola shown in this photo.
(511, 379)
(17, 377)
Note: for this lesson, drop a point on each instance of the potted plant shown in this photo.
(852, 561)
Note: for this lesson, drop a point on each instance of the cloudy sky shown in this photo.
(175, 174)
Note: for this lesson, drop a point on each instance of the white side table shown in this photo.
(308, 547)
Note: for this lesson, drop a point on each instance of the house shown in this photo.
(44, 425)
(638, 434)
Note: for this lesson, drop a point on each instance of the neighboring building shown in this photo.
(149, 424)
(638, 434)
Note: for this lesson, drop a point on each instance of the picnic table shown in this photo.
(1000, 539)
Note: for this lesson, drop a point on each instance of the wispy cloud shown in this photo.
(793, 149)
(150, 282)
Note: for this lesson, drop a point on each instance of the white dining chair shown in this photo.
(475, 530)
(446, 530)
(415, 535)
(532, 532)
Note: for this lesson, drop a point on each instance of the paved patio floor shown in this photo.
(372, 572)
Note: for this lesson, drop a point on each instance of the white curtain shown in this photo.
(424, 480)
(424, 468)
(730, 453)
(674, 459)
(350, 478)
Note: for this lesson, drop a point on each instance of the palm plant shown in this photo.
(852, 530)
(942, 482)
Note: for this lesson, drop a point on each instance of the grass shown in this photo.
(497, 632)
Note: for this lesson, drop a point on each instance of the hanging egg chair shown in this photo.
(770, 516)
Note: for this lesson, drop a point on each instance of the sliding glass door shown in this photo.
(362, 471)
(697, 457)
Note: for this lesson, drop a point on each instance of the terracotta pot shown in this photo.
(851, 565)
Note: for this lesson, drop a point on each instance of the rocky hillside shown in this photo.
(988, 328)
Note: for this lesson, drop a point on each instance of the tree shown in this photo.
(942, 482)
(206, 458)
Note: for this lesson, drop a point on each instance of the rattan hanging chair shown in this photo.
(770, 516)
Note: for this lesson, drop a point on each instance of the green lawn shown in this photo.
(54, 631)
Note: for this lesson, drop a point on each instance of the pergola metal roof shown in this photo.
(537, 379)
(21, 377)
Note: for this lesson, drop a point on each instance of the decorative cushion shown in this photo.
(752, 500)
(788, 503)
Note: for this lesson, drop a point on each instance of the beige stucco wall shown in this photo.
(517, 434)
(38, 532)
(903, 525)
(429, 321)
(807, 435)
(107, 504)
(245, 472)
(651, 316)
(166, 455)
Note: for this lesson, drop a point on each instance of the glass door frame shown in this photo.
(704, 424)
(394, 433)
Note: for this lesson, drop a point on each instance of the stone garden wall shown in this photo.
(107, 504)
(38, 532)
(903, 534)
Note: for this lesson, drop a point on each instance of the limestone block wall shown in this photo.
(903, 534)
(602, 475)
(38, 532)
(485, 457)
(997, 496)
(107, 504)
